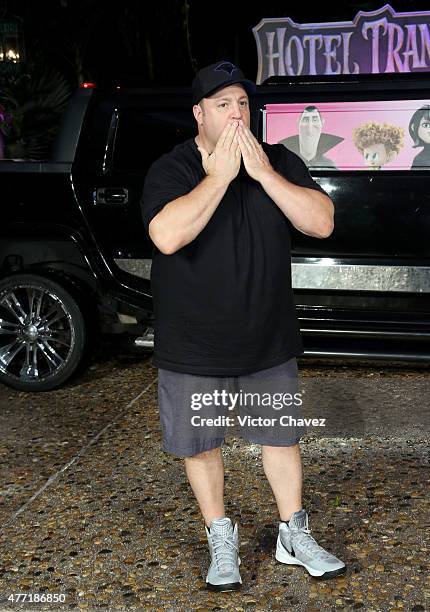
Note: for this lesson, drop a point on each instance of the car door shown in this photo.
(134, 129)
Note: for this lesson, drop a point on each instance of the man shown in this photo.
(218, 209)
(311, 143)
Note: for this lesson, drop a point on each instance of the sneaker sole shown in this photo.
(283, 557)
(233, 586)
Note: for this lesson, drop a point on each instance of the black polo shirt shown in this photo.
(224, 304)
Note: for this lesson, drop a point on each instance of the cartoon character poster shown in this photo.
(388, 135)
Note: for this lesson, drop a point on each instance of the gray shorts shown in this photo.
(196, 412)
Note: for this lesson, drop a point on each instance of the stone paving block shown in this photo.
(92, 509)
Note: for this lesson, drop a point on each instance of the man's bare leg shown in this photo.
(283, 468)
(205, 473)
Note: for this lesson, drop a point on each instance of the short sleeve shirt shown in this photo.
(223, 304)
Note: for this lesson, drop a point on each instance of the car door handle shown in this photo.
(111, 195)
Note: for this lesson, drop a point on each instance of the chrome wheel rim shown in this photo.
(37, 334)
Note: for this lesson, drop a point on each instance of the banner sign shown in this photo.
(377, 42)
(371, 135)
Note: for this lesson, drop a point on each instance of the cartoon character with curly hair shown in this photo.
(379, 143)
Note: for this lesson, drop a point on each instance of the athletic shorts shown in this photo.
(196, 412)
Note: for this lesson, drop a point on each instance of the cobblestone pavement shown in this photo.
(94, 511)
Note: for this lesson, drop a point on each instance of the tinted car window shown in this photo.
(144, 135)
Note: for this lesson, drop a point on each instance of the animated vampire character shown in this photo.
(311, 143)
(419, 129)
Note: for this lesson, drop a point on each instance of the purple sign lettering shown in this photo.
(379, 41)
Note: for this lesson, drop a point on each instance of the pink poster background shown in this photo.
(340, 119)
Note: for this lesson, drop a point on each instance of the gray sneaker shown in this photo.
(295, 546)
(223, 574)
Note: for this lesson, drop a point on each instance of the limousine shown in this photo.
(75, 261)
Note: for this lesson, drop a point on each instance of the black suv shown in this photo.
(75, 261)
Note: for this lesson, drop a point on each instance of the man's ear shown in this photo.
(198, 113)
(391, 155)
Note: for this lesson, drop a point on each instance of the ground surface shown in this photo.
(92, 508)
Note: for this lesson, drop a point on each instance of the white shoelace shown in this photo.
(309, 545)
(223, 548)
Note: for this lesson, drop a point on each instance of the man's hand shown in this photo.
(255, 159)
(224, 161)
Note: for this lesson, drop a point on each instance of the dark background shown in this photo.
(162, 42)
(136, 42)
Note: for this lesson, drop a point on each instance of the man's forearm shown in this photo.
(309, 210)
(181, 220)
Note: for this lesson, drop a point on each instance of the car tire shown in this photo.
(42, 333)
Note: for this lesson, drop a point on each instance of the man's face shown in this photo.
(221, 108)
(424, 130)
(376, 155)
(310, 126)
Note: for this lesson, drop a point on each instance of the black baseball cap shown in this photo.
(217, 76)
